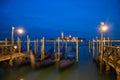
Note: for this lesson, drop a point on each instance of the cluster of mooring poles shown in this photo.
(13, 49)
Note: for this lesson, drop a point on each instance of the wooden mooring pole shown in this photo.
(89, 46)
(97, 46)
(66, 46)
(108, 41)
(19, 44)
(93, 48)
(42, 49)
(28, 44)
(35, 47)
(54, 46)
(58, 58)
(77, 49)
(6, 42)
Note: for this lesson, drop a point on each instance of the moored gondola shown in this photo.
(65, 63)
(45, 63)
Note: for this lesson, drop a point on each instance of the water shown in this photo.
(85, 69)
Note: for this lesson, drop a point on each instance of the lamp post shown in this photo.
(19, 31)
(103, 28)
(13, 28)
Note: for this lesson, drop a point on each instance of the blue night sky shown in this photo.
(50, 17)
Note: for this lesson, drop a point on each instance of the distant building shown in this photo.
(62, 35)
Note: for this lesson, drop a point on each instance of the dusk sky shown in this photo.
(50, 17)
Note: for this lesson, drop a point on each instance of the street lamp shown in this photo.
(13, 28)
(18, 30)
(103, 28)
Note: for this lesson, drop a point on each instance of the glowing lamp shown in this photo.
(20, 31)
(103, 27)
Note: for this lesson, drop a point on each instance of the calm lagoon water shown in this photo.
(85, 69)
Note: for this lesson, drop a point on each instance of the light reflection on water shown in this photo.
(85, 69)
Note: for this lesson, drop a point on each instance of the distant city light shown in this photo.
(81, 40)
(15, 47)
(70, 36)
(62, 35)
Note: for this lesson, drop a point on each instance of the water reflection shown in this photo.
(32, 59)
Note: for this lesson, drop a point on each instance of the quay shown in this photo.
(110, 55)
(105, 52)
